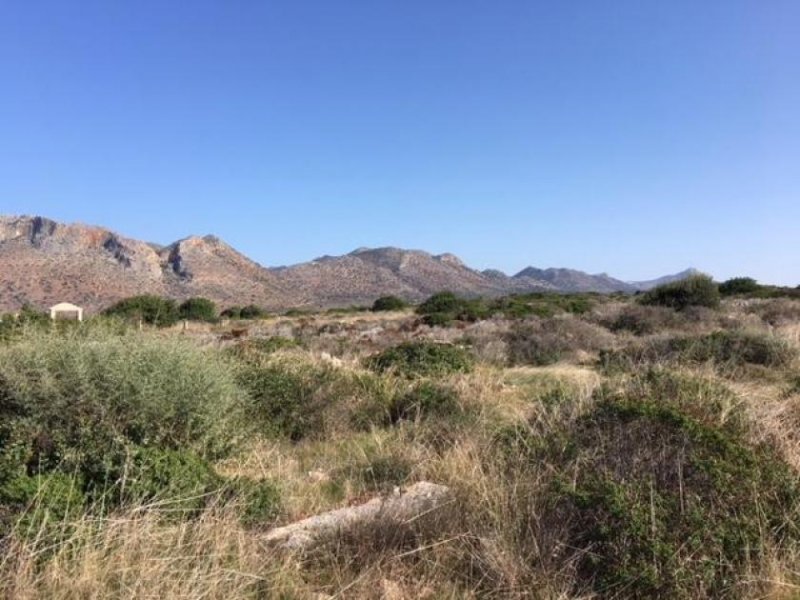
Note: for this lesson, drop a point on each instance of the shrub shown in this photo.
(251, 311)
(422, 359)
(778, 312)
(81, 404)
(647, 493)
(257, 349)
(259, 501)
(198, 309)
(153, 310)
(386, 303)
(286, 401)
(739, 285)
(697, 290)
(179, 480)
(544, 342)
(442, 302)
(438, 319)
(422, 401)
(644, 320)
(377, 473)
(39, 503)
(725, 349)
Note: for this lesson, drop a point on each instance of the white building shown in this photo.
(65, 310)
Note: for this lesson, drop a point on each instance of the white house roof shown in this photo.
(65, 306)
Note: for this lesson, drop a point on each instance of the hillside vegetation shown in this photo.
(595, 446)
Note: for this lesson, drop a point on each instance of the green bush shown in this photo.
(386, 303)
(697, 290)
(377, 473)
(648, 490)
(442, 302)
(251, 311)
(32, 505)
(422, 401)
(259, 501)
(81, 404)
(198, 309)
(178, 481)
(739, 285)
(152, 310)
(421, 359)
(286, 401)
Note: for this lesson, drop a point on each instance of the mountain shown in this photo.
(43, 262)
(570, 280)
(650, 284)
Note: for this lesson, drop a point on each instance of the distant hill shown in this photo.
(43, 262)
(570, 280)
(647, 285)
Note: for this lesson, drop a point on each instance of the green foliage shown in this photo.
(198, 309)
(424, 400)
(179, 480)
(697, 290)
(648, 490)
(286, 401)
(385, 303)
(251, 311)
(544, 305)
(739, 285)
(83, 404)
(378, 473)
(31, 505)
(442, 302)
(259, 501)
(422, 359)
(152, 310)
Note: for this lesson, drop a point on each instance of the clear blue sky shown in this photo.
(634, 137)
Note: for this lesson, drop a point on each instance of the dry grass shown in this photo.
(495, 541)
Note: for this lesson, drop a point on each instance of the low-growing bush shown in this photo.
(154, 310)
(546, 341)
(697, 290)
(422, 359)
(739, 285)
(644, 320)
(286, 400)
(779, 311)
(176, 481)
(82, 405)
(725, 349)
(258, 501)
(259, 349)
(251, 311)
(422, 401)
(387, 303)
(647, 491)
(198, 309)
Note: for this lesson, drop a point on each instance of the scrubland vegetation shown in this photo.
(596, 446)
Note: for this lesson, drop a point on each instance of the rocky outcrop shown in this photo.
(420, 500)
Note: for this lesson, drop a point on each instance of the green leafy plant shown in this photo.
(422, 359)
(198, 309)
(152, 310)
(697, 290)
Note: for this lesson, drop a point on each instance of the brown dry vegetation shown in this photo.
(672, 474)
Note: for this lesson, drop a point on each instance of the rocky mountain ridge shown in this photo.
(43, 262)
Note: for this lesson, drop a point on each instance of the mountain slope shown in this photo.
(570, 280)
(43, 262)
